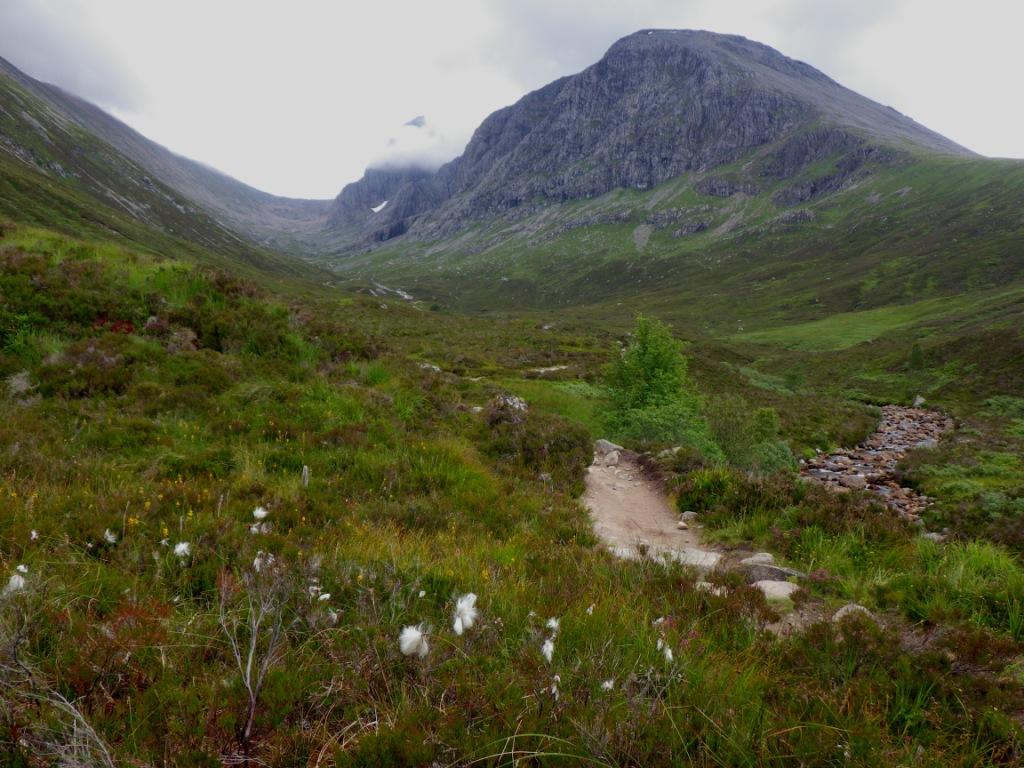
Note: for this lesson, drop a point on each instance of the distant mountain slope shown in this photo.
(660, 103)
(261, 217)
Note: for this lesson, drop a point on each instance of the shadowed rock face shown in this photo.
(658, 104)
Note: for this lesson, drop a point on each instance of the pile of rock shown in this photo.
(871, 466)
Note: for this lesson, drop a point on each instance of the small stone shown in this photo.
(918, 401)
(682, 526)
(759, 558)
(612, 459)
(938, 538)
(688, 516)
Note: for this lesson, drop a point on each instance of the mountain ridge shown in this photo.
(659, 103)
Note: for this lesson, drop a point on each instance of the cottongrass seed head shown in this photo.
(109, 536)
(182, 549)
(548, 649)
(466, 613)
(260, 513)
(413, 641)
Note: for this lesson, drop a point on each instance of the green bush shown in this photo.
(652, 398)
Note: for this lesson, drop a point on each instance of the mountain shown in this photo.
(660, 103)
(59, 167)
(260, 217)
(703, 176)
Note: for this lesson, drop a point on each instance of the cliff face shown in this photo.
(658, 104)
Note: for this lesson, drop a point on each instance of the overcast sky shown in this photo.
(297, 98)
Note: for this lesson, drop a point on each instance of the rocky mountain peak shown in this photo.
(658, 104)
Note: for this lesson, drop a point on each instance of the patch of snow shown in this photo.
(379, 208)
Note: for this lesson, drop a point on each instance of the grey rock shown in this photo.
(603, 446)
(938, 538)
(776, 590)
(755, 572)
(759, 558)
(688, 516)
(612, 459)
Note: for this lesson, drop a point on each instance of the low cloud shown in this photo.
(48, 41)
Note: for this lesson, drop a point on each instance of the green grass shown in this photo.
(413, 498)
(843, 330)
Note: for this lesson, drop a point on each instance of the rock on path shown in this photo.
(871, 466)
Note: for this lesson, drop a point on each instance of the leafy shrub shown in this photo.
(749, 439)
(652, 399)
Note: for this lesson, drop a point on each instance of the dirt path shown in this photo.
(871, 466)
(633, 517)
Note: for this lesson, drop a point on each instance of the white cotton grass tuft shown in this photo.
(324, 597)
(262, 559)
(548, 649)
(413, 641)
(182, 549)
(466, 613)
(15, 584)
(664, 648)
(33, 535)
(21, 568)
(260, 513)
(608, 684)
(554, 686)
(109, 536)
(553, 624)
(590, 610)
(422, 594)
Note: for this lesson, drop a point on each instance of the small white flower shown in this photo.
(15, 584)
(324, 597)
(260, 513)
(664, 648)
(33, 535)
(254, 528)
(313, 589)
(413, 641)
(554, 686)
(332, 616)
(423, 593)
(182, 549)
(659, 620)
(590, 610)
(608, 684)
(465, 613)
(165, 542)
(553, 624)
(109, 536)
(548, 649)
(21, 568)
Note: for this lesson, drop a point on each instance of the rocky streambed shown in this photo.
(871, 466)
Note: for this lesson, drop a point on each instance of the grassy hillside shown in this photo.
(926, 228)
(152, 403)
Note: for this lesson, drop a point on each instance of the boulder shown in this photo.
(756, 572)
(688, 516)
(854, 482)
(603, 446)
(776, 590)
(612, 459)
(759, 558)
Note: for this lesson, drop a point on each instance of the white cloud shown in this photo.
(299, 98)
